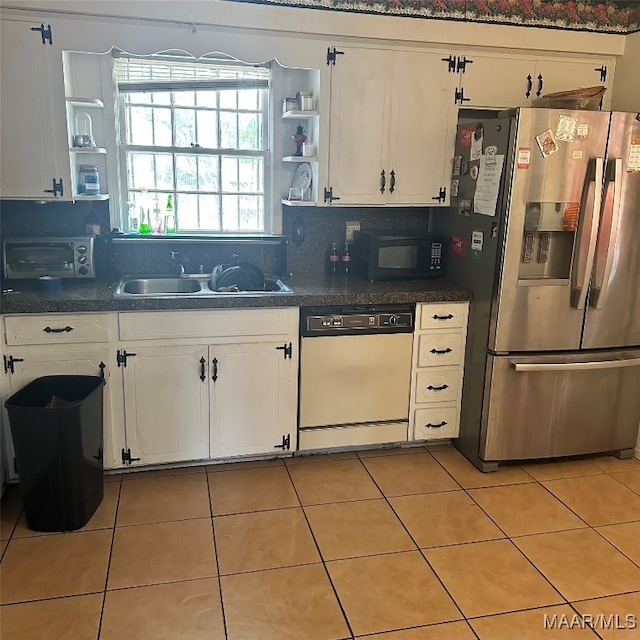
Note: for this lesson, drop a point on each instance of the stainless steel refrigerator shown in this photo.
(545, 230)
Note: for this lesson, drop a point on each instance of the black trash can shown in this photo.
(56, 424)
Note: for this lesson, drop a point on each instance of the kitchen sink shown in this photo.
(153, 286)
(187, 286)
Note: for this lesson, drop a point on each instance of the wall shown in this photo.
(626, 89)
(239, 18)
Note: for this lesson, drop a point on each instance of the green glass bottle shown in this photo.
(145, 222)
(169, 217)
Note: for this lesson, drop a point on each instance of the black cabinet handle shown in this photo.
(442, 351)
(61, 330)
(202, 374)
(529, 86)
(435, 426)
(383, 181)
(392, 184)
(442, 388)
(540, 85)
(437, 317)
(214, 364)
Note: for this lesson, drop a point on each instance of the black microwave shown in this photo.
(378, 256)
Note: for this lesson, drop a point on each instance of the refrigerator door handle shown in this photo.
(575, 366)
(581, 273)
(610, 220)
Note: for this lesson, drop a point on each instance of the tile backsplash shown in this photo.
(25, 218)
(322, 226)
(280, 256)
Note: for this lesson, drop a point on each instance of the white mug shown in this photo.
(308, 150)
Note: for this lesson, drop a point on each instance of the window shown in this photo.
(198, 132)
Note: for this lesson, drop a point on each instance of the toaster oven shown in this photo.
(70, 257)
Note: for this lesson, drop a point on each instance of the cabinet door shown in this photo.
(422, 130)
(33, 362)
(360, 95)
(166, 404)
(562, 75)
(33, 146)
(497, 80)
(253, 399)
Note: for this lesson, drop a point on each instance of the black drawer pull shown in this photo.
(442, 388)
(437, 317)
(61, 330)
(439, 352)
(435, 426)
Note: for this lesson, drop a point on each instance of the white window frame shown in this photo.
(270, 221)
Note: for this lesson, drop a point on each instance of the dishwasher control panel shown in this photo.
(347, 320)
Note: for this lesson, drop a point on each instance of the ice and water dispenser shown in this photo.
(548, 239)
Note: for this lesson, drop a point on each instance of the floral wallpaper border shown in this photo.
(608, 16)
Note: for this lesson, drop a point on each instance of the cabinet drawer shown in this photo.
(442, 316)
(436, 422)
(207, 324)
(437, 384)
(441, 348)
(57, 328)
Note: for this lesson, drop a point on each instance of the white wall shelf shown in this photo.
(88, 150)
(97, 196)
(299, 159)
(301, 115)
(299, 203)
(85, 102)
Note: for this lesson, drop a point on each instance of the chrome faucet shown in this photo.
(177, 256)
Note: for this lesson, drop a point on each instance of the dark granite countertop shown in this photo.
(308, 290)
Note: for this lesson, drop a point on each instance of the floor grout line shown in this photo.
(325, 562)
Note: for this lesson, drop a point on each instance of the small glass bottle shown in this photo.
(333, 259)
(346, 259)
(133, 223)
(169, 216)
(145, 222)
(157, 224)
(88, 179)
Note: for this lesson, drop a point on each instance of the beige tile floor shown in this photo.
(402, 544)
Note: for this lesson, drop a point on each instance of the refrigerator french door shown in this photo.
(543, 230)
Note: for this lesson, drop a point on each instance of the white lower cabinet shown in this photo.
(207, 384)
(166, 404)
(42, 345)
(437, 371)
(253, 399)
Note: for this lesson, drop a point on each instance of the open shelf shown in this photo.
(302, 115)
(88, 150)
(97, 196)
(299, 159)
(299, 203)
(85, 102)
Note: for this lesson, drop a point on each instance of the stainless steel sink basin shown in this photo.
(187, 286)
(152, 286)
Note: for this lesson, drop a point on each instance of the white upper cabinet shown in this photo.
(34, 160)
(359, 121)
(390, 127)
(421, 132)
(503, 80)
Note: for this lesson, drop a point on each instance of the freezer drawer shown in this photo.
(560, 404)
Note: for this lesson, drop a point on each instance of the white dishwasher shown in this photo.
(355, 374)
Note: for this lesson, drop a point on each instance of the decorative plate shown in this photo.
(302, 177)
